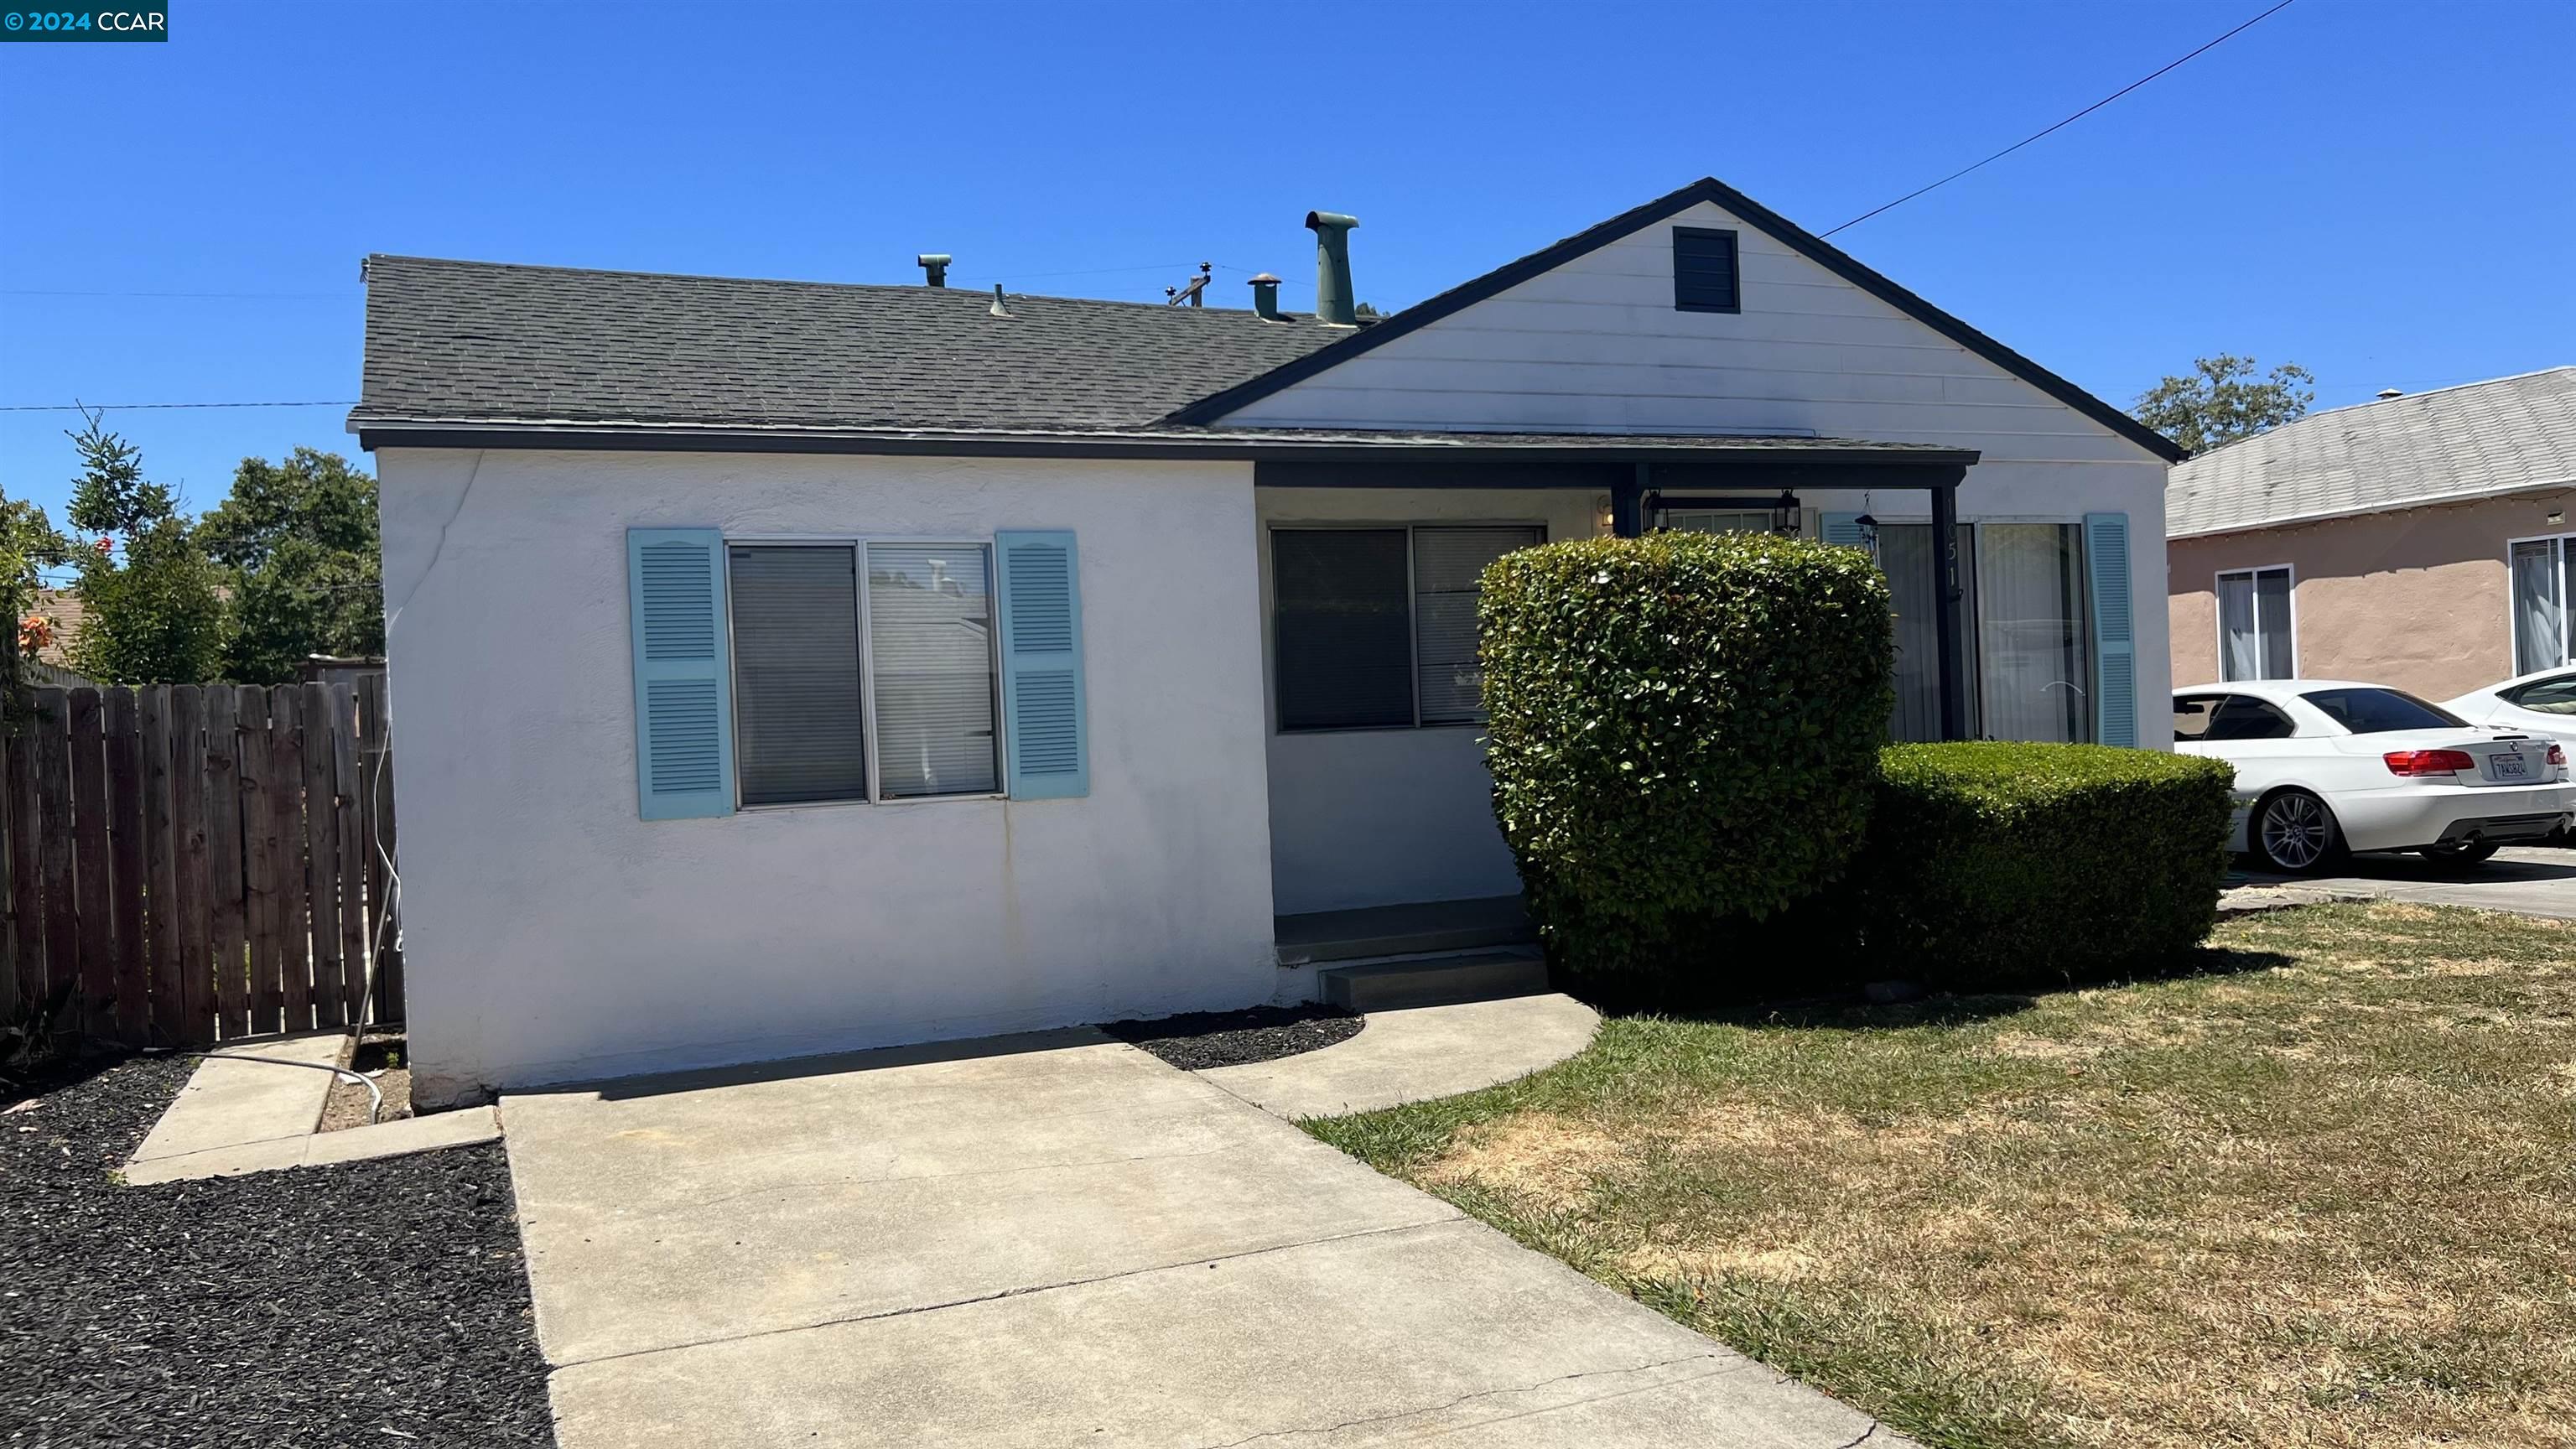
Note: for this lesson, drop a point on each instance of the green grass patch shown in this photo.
(2318, 1190)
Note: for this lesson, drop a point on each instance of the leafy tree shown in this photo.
(299, 545)
(28, 546)
(157, 615)
(2222, 400)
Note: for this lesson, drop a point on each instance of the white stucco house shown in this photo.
(786, 667)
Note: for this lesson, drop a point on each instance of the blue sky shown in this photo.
(2378, 191)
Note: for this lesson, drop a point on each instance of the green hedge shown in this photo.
(1684, 727)
(1995, 865)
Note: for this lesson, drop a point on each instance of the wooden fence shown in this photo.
(187, 864)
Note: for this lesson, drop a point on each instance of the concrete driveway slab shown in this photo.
(712, 1206)
(2527, 880)
(1447, 1333)
(1059, 1240)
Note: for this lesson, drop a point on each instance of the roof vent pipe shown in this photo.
(1265, 297)
(1333, 302)
(998, 309)
(935, 265)
(2386, 393)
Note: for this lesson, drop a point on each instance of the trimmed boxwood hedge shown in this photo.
(1993, 865)
(1683, 728)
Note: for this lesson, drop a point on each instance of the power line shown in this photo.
(129, 407)
(2079, 115)
(263, 296)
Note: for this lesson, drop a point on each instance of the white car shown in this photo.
(2329, 765)
(2538, 704)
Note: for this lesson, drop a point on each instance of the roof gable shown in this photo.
(1235, 399)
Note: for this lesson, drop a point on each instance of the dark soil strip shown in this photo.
(378, 1303)
(1202, 1039)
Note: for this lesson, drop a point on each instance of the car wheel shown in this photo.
(2461, 852)
(2294, 832)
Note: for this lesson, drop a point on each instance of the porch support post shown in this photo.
(1945, 614)
(1628, 504)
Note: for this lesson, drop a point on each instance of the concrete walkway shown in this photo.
(229, 1102)
(1058, 1240)
(1416, 1055)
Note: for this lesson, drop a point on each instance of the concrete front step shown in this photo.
(1415, 928)
(1432, 980)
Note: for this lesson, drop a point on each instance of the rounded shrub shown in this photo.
(1993, 865)
(1684, 728)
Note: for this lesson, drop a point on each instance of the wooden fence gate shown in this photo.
(190, 863)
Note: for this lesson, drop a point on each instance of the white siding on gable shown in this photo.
(1596, 345)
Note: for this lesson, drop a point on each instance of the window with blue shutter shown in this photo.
(2115, 650)
(683, 695)
(1048, 739)
(1704, 273)
(1841, 528)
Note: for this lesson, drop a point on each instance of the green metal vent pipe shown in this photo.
(1333, 300)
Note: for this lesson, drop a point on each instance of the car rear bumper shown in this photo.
(2452, 814)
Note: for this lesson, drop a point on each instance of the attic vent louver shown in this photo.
(1704, 273)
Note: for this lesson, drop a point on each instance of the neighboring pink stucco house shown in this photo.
(2420, 541)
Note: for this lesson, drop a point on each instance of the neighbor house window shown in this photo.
(1376, 627)
(2255, 638)
(2025, 640)
(2540, 625)
(885, 692)
(1704, 271)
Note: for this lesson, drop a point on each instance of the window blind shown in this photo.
(1343, 644)
(930, 649)
(1447, 563)
(800, 735)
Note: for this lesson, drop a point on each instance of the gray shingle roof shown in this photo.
(479, 341)
(2471, 441)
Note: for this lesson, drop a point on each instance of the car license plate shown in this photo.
(2510, 767)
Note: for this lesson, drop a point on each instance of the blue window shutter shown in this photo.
(1841, 528)
(683, 680)
(1040, 584)
(2115, 648)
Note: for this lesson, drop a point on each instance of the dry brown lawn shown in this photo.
(2321, 1192)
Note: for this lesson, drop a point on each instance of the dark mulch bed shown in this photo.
(377, 1303)
(1197, 1040)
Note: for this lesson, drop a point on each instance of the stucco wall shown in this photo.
(553, 935)
(2415, 599)
(1375, 817)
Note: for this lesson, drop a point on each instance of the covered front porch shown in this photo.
(1382, 832)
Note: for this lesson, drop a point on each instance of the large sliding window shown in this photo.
(2025, 640)
(2255, 639)
(882, 693)
(1375, 628)
(2541, 635)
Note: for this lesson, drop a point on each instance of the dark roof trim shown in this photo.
(1240, 447)
(1815, 248)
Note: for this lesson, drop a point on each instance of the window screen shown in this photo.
(1342, 629)
(930, 652)
(1447, 562)
(799, 734)
(1704, 277)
